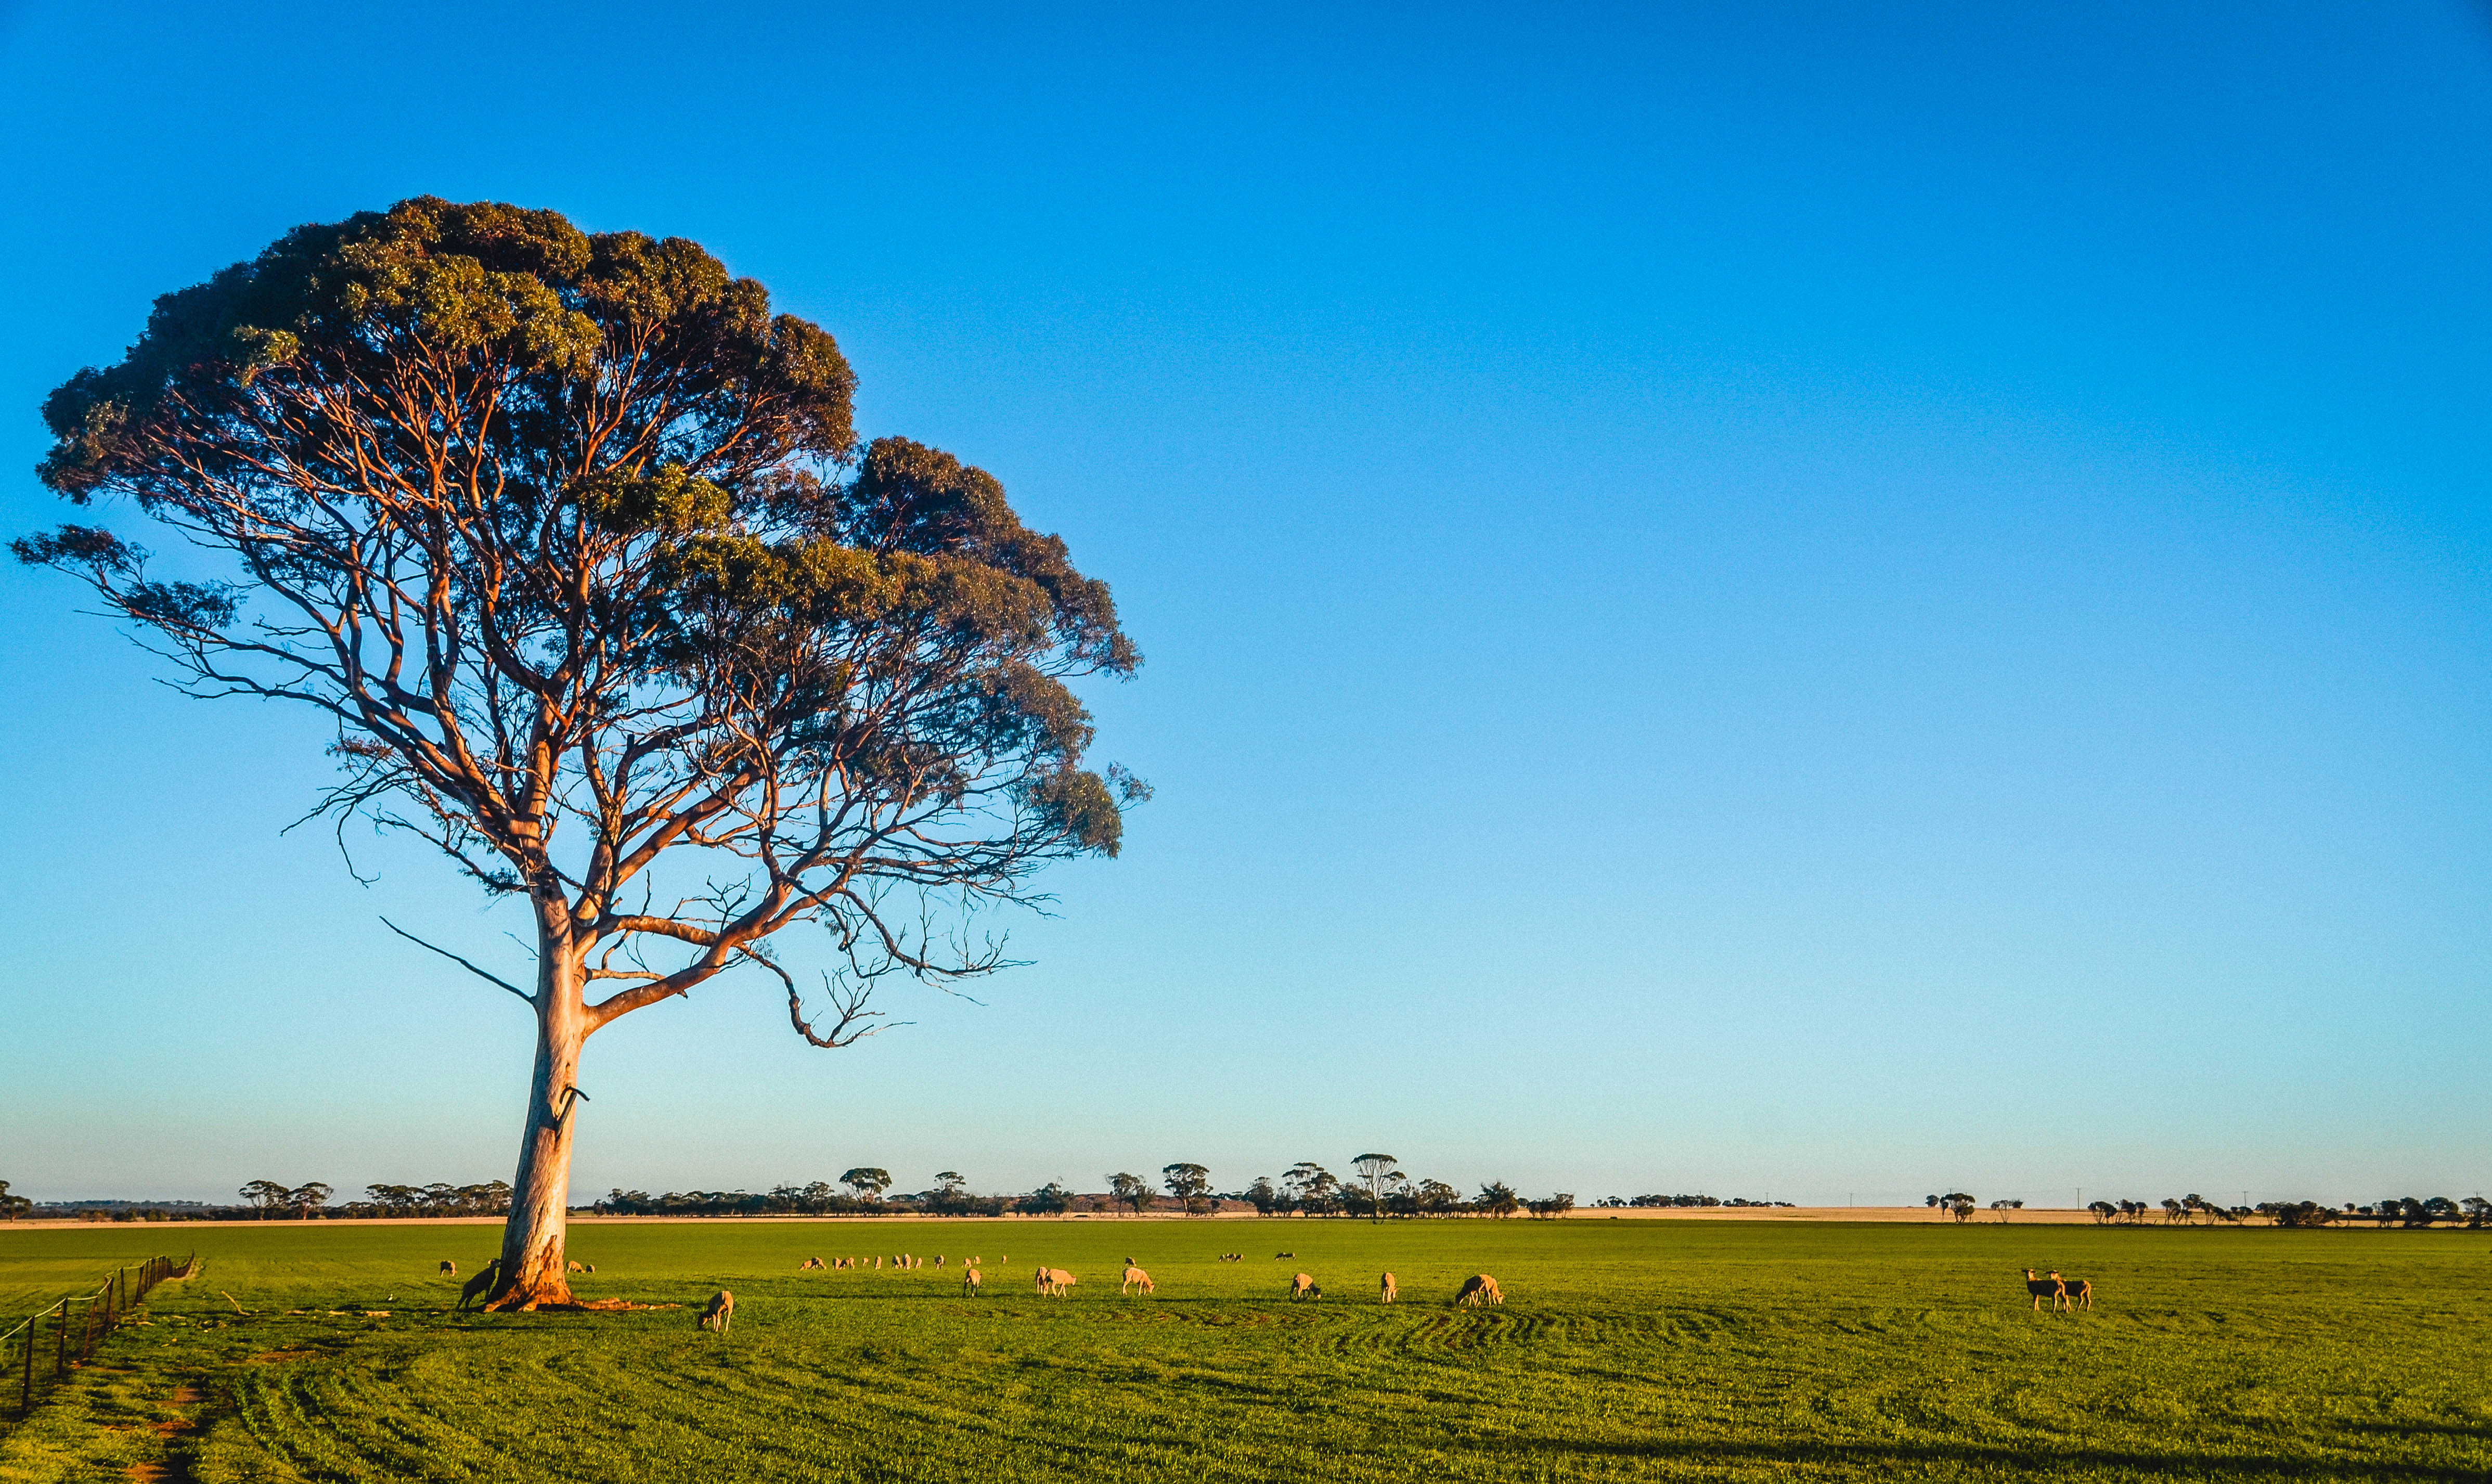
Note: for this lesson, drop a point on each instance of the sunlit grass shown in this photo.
(1624, 1350)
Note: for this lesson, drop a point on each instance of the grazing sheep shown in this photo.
(572, 1268)
(809, 1265)
(1135, 1275)
(969, 1281)
(592, 1267)
(2074, 1292)
(1231, 1257)
(1479, 1289)
(938, 1259)
(721, 1312)
(1278, 1256)
(482, 1285)
(2042, 1288)
(1389, 1291)
(1302, 1286)
(1054, 1281)
(449, 1269)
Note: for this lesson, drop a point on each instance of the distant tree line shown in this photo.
(2473, 1212)
(1639, 1202)
(1379, 1190)
(276, 1200)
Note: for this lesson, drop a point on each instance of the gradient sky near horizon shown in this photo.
(1823, 601)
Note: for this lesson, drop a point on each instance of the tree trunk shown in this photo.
(532, 1239)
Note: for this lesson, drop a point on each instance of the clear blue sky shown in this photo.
(1834, 601)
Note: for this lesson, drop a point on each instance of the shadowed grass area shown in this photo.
(1624, 1350)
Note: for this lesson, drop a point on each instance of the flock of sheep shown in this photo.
(1057, 1282)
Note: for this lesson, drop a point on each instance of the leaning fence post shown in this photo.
(26, 1399)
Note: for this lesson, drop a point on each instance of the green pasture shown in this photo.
(1624, 1350)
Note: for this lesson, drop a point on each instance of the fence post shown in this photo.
(26, 1399)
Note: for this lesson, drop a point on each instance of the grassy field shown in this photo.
(1624, 1350)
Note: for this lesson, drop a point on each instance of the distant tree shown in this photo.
(1265, 1196)
(1436, 1197)
(2103, 1211)
(1131, 1190)
(868, 1182)
(2477, 1210)
(13, 1207)
(1311, 1186)
(1049, 1200)
(1375, 1172)
(266, 1196)
(1958, 1204)
(1497, 1199)
(1557, 1205)
(572, 540)
(1190, 1184)
(304, 1200)
(1930, 1201)
(950, 1182)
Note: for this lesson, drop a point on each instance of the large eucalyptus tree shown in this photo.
(571, 538)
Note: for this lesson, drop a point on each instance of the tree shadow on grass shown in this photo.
(2005, 1457)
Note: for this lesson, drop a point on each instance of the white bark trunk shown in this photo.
(532, 1239)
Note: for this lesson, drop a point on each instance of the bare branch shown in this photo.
(461, 963)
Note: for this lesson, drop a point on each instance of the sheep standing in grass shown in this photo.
(1303, 1286)
(1134, 1276)
(1054, 1281)
(1479, 1289)
(721, 1312)
(482, 1285)
(2042, 1288)
(969, 1281)
(449, 1269)
(809, 1265)
(1389, 1291)
(2074, 1292)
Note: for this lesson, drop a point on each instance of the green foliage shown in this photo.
(1625, 1349)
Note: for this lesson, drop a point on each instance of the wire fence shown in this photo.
(78, 1323)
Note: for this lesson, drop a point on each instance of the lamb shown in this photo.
(721, 1312)
(2074, 1292)
(449, 1269)
(1479, 1289)
(969, 1281)
(1135, 1275)
(2042, 1288)
(482, 1285)
(1303, 1286)
(1389, 1291)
